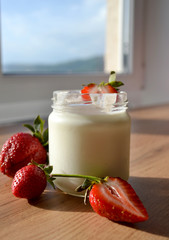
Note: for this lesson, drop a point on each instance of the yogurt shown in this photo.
(88, 138)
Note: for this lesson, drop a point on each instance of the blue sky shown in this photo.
(52, 31)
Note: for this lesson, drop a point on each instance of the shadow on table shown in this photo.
(56, 200)
(150, 126)
(153, 192)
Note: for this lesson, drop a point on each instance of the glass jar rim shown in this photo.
(105, 101)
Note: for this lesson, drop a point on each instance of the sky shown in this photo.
(52, 31)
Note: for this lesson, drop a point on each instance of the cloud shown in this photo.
(54, 34)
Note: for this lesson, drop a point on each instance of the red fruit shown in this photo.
(108, 89)
(90, 88)
(93, 88)
(29, 182)
(18, 151)
(117, 200)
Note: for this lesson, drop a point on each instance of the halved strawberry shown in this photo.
(93, 88)
(108, 87)
(117, 200)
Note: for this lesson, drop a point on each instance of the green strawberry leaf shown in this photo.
(37, 130)
(48, 169)
(42, 125)
(50, 180)
(45, 136)
(112, 77)
(38, 135)
(39, 124)
(30, 127)
(45, 144)
(116, 84)
(87, 183)
(113, 82)
(102, 84)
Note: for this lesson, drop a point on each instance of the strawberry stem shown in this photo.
(92, 178)
(86, 185)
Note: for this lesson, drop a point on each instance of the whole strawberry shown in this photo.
(29, 182)
(21, 148)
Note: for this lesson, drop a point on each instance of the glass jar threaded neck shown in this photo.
(68, 100)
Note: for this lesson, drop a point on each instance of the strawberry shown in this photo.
(115, 199)
(21, 148)
(109, 87)
(110, 197)
(29, 182)
(90, 88)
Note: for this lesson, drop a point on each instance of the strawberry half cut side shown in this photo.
(117, 200)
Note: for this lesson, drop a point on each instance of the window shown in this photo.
(66, 37)
(23, 94)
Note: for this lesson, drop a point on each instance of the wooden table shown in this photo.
(59, 216)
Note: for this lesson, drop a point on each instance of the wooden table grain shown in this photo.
(59, 216)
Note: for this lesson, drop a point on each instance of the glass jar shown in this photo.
(89, 136)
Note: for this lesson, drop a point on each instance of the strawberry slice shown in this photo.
(117, 200)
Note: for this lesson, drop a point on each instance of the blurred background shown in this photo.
(52, 45)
